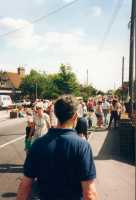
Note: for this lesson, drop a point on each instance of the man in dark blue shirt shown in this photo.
(61, 161)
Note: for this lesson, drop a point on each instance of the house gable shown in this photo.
(14, 78)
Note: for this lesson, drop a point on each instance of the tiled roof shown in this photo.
(14, 78)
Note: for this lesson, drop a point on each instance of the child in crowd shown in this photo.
(29, 133)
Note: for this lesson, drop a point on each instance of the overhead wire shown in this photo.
(110, 24)
(57, 10)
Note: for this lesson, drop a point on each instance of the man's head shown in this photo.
(66, 109)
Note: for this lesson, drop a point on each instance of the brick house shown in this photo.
(10, 81)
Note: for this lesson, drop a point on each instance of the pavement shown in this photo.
(115, 178)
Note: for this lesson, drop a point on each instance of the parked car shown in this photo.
(5, 101)
(23, 103)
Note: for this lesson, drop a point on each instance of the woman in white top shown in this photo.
(42, 123)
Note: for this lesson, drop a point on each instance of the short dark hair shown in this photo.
(65, 107)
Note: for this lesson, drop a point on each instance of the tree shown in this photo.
(122, 92)
(53, 85)
(87, 91)
(66, 81)
(99, 92)
(50, 89)
(28, 85)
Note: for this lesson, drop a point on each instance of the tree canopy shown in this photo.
(53, 85)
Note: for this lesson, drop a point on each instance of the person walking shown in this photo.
(91, 105)
(99, 114)
(61, 161)
(41, 122)
(116, 109)
(106, 108)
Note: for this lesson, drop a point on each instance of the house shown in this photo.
(10, 81)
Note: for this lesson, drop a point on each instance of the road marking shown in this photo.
(12, 141)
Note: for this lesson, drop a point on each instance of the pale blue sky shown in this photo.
(72, 36)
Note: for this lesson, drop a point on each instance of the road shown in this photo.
(115, 179)
(4, 115)
(11, 155)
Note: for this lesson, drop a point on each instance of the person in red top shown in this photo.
(90, 105)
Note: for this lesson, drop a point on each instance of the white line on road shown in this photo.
(12, 141)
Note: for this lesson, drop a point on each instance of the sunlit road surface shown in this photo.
(115, 179)
(4, 115)
(11, 156)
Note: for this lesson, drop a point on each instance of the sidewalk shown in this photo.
(115, 179)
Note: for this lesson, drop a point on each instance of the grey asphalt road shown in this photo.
(115, 179)
(11, 156)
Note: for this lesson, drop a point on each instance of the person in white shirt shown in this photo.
(106, 108)
(42, 123)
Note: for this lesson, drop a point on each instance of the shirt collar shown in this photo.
(62, 131)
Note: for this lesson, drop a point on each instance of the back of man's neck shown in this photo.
(64, 126)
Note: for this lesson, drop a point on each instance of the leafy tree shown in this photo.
(28, 85)
(99, 92)
(50, 89)
(66, 81)
(53, 85)
(122, 92)
(87, 91)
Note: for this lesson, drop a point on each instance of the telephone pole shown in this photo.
(87, 77)
(35, 90)
(135, 53)
(122, 76)
(131, 58)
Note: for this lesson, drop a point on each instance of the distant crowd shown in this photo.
(97, 112)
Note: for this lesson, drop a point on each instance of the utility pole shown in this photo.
(35, 90)
(122, 77)
(131, 58)
(87, 77)
(135, 53)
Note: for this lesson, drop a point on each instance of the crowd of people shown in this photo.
(98, 111)
(53, 120)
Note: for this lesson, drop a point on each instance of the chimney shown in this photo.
(21, 72)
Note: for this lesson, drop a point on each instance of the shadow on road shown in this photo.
(111, 148)
(11, 134)
(11, 168)
(9, 195)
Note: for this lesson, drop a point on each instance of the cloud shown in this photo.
(96, 11)
(27, 39)
(23, 38)
(52, 48)
(7, 24)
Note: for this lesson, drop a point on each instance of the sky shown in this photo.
(89, 35)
